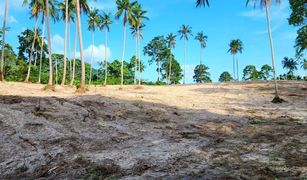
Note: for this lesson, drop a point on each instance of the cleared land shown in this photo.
(210, 131)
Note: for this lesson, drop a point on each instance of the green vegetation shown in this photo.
(201, 74)
(225, 77)
(33, 64)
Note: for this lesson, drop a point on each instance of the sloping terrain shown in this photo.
(210, 131)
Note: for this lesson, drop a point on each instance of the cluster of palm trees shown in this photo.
(235, 47)
(266, 4)
(185, 32)
(132, 13)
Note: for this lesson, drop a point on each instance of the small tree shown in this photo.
(266, 72)
(225, 77)
(201, 74)
(250, 73)
(155, 49)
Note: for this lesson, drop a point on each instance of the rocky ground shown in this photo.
(210, 131)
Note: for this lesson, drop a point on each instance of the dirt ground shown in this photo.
(210, 131)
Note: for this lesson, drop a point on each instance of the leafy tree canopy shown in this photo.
(201, 74)
(225, 77)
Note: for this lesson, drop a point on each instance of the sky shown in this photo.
(223, 21)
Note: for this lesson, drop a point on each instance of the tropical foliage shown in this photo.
(225, 77)
(201, 74)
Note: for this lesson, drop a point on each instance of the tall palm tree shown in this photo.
(185, 32)
(134, 31)
(200, 3)
(75, 56)
(124, 7)
(171, 42)
(203, 42)
(41, 54)
(304, 66)
(3, 40)
(93, 22)
(235, 47)
(290, 64)
(81, 5)
(67, 10)
(138, 22)
(105, 22)
(54, 15)
(36, 7)
(267, 3)
(49, 44)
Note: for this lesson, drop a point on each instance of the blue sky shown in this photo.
(223, 21)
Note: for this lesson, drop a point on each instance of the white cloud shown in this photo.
(98, 53)
(12, 19)
(278, 16)
(108, 5)
(57, 44)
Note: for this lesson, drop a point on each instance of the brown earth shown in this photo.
(210, 131)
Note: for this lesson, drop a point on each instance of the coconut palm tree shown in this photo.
(267, 4)
(304, 66)
(93, 22)
(50, 81)
(235, 47)
(54, 15)
(203, 42)
(105, 22)
(290, 64)
(67, 10)
(41, 54)
(3, 40)
(138, 23)
(134, 33)
(36, 7)
(185, 32)
(124, 8)
(81, 5)
(200, 3)
(171, 42)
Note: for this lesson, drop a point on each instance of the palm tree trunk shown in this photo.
(49, 44)
(272, 48)
(82, 84)
(31, 51)
(65, 43)
(123, 57)
(106, 59)
(139, 55)
(35, 59)
(234, 67)
(69, 51)
(56, 71)
(136, 57)
(3, 40)
(200, 56)
(238, 78)
(92, 56)
(75, 52)
(158, 70)
(41, 55)
(170, 68)
(185, 54)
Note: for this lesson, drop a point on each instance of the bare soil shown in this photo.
(209, 131)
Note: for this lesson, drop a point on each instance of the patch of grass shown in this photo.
(274, 158)
(49, 88)
(139, 105)
(196, 175)
(255, 122)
